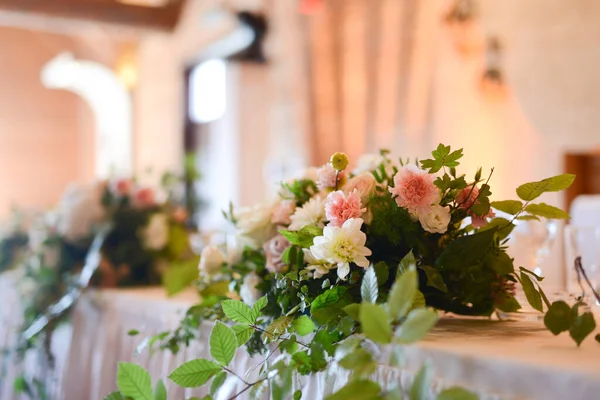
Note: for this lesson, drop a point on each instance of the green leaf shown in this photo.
(531, 273)
(532, 190)
(238, 311)
(160, 391)
(258, 306)
(195, 373)
(369, 288)
(546, 211)
(467, 250)
(442, 158)
(217, 382)
(508, 305)
(353, 311)
(383, 273)
(115, 396)
(597, 337)
(304, 237)
(290, 345)
(527, 218)
(511, 207)
(223, 343)
(502, 226)
(374, 323)
(215, 289)
(421, 385)
(533, 296)
(434, 278)
(133, 332)
(357, 390)
(329, 304)
(278, 327)
(456, 393)
(501, 263)
(303, 325)
(243, 333)
(558, 317)
(582, 326)
(417, 324)
(179, 276)
(359, 361)
(298, 394)
(408, 262)
(134, 381)
(403, 294)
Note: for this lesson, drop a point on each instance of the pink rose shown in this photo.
(144, 197)
(282, 212)
(339, 208)
(122, 187)
(414, 189)
(364, 184)
(326, 177)
(274, 249)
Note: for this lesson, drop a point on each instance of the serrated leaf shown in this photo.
(546, 211)
(382, 271)
(408, 262)
(353, 311)
(558, 317)
(223, 343)
(527, 218)
(258, 306)
(434, 278)
(243, 333)
(532, 190)
(115, 396)
(418, 322)
(195, 373)
(134, 381)
(238, 311)
(304, 237)
(511, 207)
(217, 382)
(403, 294)
(369, 288)
(303, 325)
(160, 391)
(375, 324)
(533, 296)
(503, 227)
(421, 385)
(456, 393)
(582, 326)
(357, 390)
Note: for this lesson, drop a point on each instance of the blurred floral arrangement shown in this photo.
(356, 258)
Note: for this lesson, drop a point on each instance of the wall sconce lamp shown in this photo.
(460, 21)
(492, 79)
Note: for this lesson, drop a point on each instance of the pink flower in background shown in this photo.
(274, 249)
(122, 187)
(179, 214)
(326, 177)
(144, 197)
(481, 221)
(339, 207)
(282, 212)
(467, 196)
(414, 189)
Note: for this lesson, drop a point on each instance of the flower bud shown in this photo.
(339, 161)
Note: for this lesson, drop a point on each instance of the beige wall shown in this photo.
(44, 134)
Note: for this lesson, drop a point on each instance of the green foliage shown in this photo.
(179, 276)
(357, 390)
(466, 251)
(278, 327)
(420, 387)
(561, 318)
(532, 190)
(194, 373)
(558, 317)
(375, 324)
(417, 324)
(456, 393)
(442, 157)
(301, 190)
(329, 305)
(223, 343)
(238, 311)
(217, 382)
(512, 207)
(134, 381)
(546, 211)
(581, 326)
(303, 325)
(242, 333)
(304, 237)
(160, 391)
(533, 296)
(403, 294)
(115, 396)
(434, 278)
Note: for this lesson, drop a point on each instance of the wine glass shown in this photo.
(584, 242)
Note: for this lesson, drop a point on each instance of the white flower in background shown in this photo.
(282, 212)
(211, 260)
(342, 246)
(368, 162)
(248, 292)
(255, 222)
(311, 213)
(364, 184)
(436, 220)
(155, 234)
(319, 267)
(79, 210)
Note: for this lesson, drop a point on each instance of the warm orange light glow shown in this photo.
(127, 69)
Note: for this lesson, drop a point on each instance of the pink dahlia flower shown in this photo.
(414, 189)
(339, 207)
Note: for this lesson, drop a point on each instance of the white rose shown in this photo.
(249, 293)
(211, 260)
(79, 210)
(364, 184)
(370, 162)
(436, 220)
(156, 234)
(255, 223)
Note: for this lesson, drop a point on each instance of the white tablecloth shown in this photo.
(498, 360)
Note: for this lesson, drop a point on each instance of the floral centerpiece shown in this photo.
(358, 259)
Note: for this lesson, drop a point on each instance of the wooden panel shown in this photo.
(587, 169)
(100, 11)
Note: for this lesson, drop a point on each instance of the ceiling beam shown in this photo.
(163, 18)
